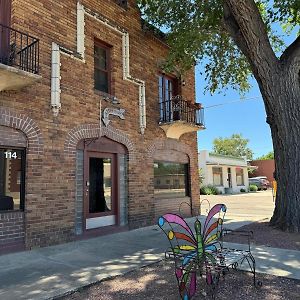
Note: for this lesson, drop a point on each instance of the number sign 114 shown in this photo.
(10, 155)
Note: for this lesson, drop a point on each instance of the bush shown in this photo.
(209, 190)
(253, 188)
(242, 190)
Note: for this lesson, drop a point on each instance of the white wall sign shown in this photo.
(119, 112)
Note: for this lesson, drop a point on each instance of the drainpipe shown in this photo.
(55, 80)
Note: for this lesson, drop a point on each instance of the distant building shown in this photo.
(265, 167)
(229, 174)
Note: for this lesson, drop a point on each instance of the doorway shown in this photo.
(101, 190)
(229, 179)
(101, 199)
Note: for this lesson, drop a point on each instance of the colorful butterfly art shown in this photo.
(194, 252)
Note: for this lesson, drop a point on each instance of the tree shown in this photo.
(269, 155)
(235, 145)
(235, 38)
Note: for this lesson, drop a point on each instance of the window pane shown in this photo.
(100, 57)
(239, 177)
(170, 180)
(11, 179)
(101, 81)
(217, 176)
(100, 199)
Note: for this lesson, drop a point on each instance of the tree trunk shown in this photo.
(285, 128)
(279, 83)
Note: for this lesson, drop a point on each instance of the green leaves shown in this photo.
(196, 35)
(269, 155)
(235, 145)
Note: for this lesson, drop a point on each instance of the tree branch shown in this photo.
(291, 52)
(249, 31)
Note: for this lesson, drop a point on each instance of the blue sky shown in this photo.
(247, 117)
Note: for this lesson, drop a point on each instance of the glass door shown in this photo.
(101, 190)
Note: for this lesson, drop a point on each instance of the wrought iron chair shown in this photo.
(201, 252)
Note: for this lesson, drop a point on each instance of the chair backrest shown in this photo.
(183, 239)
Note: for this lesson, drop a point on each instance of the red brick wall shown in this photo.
(265, 168)
(51, 160)
(11, 229)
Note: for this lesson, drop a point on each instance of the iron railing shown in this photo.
(19, 49)
(178, 109)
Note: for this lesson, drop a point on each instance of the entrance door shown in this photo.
(229, 178)
(100, 190)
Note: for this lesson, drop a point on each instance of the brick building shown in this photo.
(265, 167)
(87, 121)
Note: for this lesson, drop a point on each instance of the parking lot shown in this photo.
(244, 207)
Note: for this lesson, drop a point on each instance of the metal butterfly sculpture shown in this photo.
(194, 252)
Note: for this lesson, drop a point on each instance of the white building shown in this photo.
(229, 174)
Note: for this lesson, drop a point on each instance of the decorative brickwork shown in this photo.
(159, 150)
(12, 137)
(88, 131)
(25, 124)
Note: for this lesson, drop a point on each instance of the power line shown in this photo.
(234, 101)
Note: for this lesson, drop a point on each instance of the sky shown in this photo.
(247, 117)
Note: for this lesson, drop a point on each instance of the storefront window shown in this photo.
(171, 180)
(12, 171)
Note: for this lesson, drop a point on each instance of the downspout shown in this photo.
(55, 79)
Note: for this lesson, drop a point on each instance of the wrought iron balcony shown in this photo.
(19, 59)
(178, 116)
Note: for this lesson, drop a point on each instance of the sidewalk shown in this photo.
(52, 271)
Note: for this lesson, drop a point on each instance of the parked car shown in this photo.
(261, 182)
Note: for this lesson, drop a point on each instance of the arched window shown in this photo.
(12, 169)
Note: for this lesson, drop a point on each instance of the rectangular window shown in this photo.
(239, 176)
(12, 177)
(217, 176)
(102, 72)
(171, 180)
(166, 90)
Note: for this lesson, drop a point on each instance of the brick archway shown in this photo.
(87, 131)
(10, 118)
(169, 144)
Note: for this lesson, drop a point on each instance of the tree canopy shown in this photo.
(198, 32)
(269, 155)
(235, 145)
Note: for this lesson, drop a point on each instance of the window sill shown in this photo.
(11, 211)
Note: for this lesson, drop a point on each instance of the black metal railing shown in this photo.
(19, 49)
(178, 109)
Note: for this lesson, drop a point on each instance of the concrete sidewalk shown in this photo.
(52, 271)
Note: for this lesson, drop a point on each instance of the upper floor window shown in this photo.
(102, 72)
(167, 88)
(12, 179)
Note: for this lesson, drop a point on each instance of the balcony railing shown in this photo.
(178, 109)
(19, 50)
